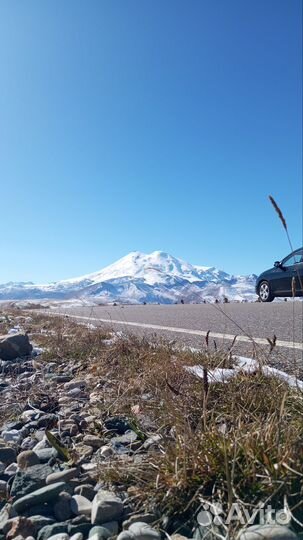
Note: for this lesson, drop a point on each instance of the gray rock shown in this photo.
(42, 495)
(77, 536)
(106, 451)
(45, 510)
(59, 536)
(11, 469)
(83, 528)
(14, 346)
(7, 455)
(61, 476)
(80, 505)
(30, 480)
(42, 443)
(75, 384)
(112, 527)
(125, 535)
(153, 440)
(139, 531)
(45, 454)
(99, 533)
(12, 436)
(86, 490)
(50, 530)
(40, 521)
(127, 438)
(3, 489)
(143, 518)
(28, 443)
(83, 450)
(267, 532)
(106, 507)
(62, 509)
(59, 379)
(80, 519)
(93, 440)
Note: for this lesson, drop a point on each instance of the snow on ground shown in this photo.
(244, 365)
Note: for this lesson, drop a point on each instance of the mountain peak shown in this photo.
(138, 277)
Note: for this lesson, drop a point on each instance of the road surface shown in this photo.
(253, 323)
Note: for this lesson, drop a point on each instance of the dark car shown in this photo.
(278, 281)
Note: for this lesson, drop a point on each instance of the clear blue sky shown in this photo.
(148, 125)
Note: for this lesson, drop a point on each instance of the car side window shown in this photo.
(295, 258)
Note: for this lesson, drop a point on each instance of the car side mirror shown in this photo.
(277, 264)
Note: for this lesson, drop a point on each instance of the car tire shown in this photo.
(265, 293)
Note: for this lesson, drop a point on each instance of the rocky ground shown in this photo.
(89, 442)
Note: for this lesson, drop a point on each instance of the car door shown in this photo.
(298, 272)
(290, 268)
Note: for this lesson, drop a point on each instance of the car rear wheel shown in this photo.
(265, 292)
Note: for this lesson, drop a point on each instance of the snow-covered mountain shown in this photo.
(139, 277)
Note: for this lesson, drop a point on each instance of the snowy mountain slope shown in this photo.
(139, 277)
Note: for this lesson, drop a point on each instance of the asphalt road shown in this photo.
(253, 323)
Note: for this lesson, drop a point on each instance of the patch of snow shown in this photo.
(244, 365)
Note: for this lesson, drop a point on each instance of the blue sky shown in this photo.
(142, 125)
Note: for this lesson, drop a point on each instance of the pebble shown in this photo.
(93, 440)
(83, 528)
(51, 530)
(77, 536)
(143, 518)
(3, 489)
(112, 527)
(59, 379)
(75, 384)
(28, 415)
(267, 532)
(83, 450)
(86, 490)
(128, 437)
(59, 536)
(42, 495)
(99, 533)
(28, 443)
(61, 476)
(106, 451)
(45, 454)
(139, 531)
(80, 505)
(154, 440)
(39, 521)
(29, 480)
(62, 510)
(27, 458)
(7, 455)
(106, 507)
(89, 467)
(12, 436)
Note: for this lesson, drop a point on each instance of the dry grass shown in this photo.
(239, 441)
